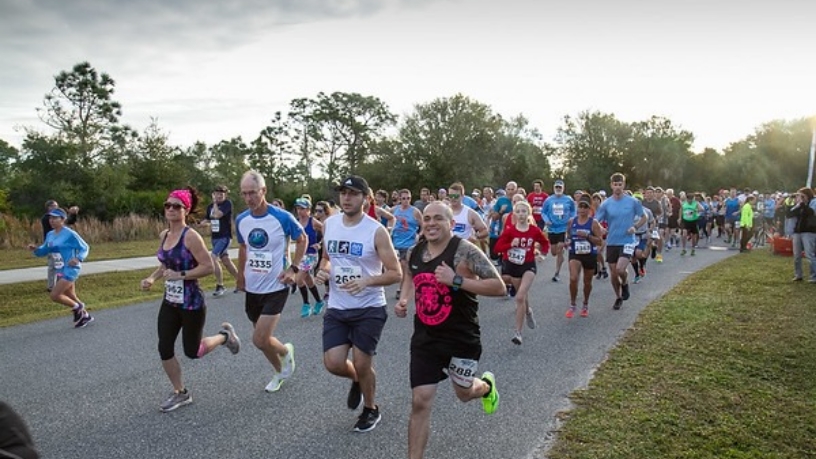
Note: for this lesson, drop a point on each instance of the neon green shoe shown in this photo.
(490, 401)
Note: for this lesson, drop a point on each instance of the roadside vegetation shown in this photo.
(721, 367)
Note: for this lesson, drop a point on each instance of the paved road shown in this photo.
(94, 393)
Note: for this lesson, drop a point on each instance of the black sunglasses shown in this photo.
(171, 205)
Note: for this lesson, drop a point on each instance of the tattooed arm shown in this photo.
(478, 273)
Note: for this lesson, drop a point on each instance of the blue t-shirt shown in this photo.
(503, 205)
(470, 202)
(405, 229)
(619, 215)
(732, 205)
(557, 211)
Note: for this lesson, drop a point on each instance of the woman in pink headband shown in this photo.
(184, 259)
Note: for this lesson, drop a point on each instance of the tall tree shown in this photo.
(339, 129)
(80, 107)
(657, 154)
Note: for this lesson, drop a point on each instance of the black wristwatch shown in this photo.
(457, 282)
(183, 274)
(295, 269)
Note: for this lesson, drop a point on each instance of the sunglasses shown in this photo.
(172, 205)
(454, 195)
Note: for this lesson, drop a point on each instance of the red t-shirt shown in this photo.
(526, 246)
(536, 201)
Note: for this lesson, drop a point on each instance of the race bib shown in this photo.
(462, 371)
(629, 249)
(59, 263)
(655, 234)
(558, 210)
(516, 255)
(343, 274)
(215, 225)
(737, 224)
(583, 247)
(174, 291)
(688, 214)
(537, 210)
(259, 262)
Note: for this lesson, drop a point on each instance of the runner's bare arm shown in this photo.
(470, 261)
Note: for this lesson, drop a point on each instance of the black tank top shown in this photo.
(444, 317)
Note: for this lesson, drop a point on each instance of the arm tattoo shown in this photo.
(475, 260)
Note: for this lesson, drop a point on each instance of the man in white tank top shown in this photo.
(359, 261)
(468, 225)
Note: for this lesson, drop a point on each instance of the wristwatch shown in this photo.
(457, 282)
(183, 274)
(295, 269)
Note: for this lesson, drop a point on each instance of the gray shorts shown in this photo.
(360, 328)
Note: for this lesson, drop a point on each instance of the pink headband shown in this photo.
(184, 196)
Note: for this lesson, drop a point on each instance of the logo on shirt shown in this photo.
(433, 300)
(258, 238)
(355, 249)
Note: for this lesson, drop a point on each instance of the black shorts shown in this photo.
(556, 238)
(588, 260)
(517, 271)
(359, 327)
(265, 304)
(427, 364)
(673, 224)
(690, 226)
(613, 252)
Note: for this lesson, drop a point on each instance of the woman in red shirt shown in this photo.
(517, 244)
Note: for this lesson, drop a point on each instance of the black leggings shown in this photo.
(171, 321)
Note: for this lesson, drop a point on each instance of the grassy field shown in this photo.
(721, 367)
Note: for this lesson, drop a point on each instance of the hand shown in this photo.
(240, 284)
(146, 283)
(73, 210)
(287, 276)
(322, 276)
(32, 247)
(355, 285)
(401, 308)
(169, 274)
(74, 262)
(444, 274)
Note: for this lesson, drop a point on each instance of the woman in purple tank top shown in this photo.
(184, 259)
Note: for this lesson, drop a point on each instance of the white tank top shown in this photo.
(353, 254)
(462, 226)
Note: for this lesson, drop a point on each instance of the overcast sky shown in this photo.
(213, 70)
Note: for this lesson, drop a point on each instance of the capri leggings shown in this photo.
(171, 321)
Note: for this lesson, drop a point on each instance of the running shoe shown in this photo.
(637, 278)
(177, 400)
(78, 313)
(556, 278)
(490, 401)
(318, 308)
(233, 343)
(692, 252)
(355, 396)
(683, 252)
(516, 339)
(585, 311)
(659, 258)
(531, 322)
(368, 420)
(511, 290)
(570, 312)
(797, 279)
(85, 320)
(237, 290)
(605, 274)
(618, 304)
(275, 384)
(288, 362)
(625, 291)
(219, 291)
(305, 310)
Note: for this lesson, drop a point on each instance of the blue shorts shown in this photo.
(69, 273)
(360, 328)
(220, 246)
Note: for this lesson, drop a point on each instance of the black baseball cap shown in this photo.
(353, 182)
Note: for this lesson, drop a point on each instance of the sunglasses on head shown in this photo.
(172, 205)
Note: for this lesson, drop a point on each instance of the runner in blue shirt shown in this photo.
(556, 213)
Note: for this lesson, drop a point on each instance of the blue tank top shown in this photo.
(311, 233)
(179, 258)
(579, 245)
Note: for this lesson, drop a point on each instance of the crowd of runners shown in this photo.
(443, 250)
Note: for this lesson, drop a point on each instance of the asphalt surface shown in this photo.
(95, 392)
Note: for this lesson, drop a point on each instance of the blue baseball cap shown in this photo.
(303, 202)
(57, 213)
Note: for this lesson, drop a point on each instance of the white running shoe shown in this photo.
(288, 362)
(275, 384)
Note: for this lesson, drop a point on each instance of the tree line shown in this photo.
(90, 158)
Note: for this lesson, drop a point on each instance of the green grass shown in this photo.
(99, 291)
(721, 367)
(22, 258)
